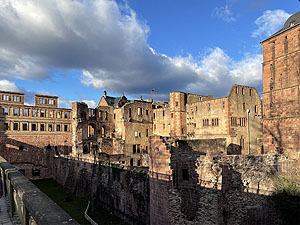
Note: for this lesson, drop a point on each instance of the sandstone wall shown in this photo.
(124, 192)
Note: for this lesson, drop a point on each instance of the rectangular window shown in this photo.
(223, 105)
(5, 111)
(205, 122)
(255, 108)
(33, 113)
(244, 106)
(5, 97)
(51, 102)
(176, 103)
(185, 174)
(134, 149)
(16, 126)
(66, 128)
(25, 112)
(25, 126)
(58, 127)
(16, 112)
(42, 101)
(163, 112)
(33, 127)
(136, 133)
(16, 98)
(171, 115)
(164, 126)
(140, 111)
(114, 116)
(153, 115)
(209, 107)
(147, 132)
(147, 112)
(106, 115)
(138, 148)
(21, 147)
(129, 113)
(50, 127)
(250, 92)
(42, 127)
(5, 126)
(66, 115)
(42, 113)
(233, 121)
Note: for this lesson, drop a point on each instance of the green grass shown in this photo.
(75, 206)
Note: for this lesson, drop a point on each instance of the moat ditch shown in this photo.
(76, 206)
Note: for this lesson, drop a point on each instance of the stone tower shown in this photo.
(281, 89)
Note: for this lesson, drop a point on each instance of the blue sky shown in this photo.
(76, 49)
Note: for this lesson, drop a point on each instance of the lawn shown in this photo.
(75, 206)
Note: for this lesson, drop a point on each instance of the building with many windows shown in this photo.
(25, 128)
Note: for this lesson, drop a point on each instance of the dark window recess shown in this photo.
(131, 162)
(139, 163)
(33, 127)
(66, 128)
(134, 149)
(5, 126)
(21, 147)
(42, 113)
(57, 127)
(16, 126)
(138, 148)
(36, 172)
(129, 113)
(25, 126)
(185, 174)
(42, 127)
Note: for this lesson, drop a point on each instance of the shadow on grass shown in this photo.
(75, 206)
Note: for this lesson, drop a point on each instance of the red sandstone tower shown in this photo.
(281, 89)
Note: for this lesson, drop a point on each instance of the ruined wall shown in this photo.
(241, 99)
(124, 192)
(281, 63)
(161, 121)
(138, 118)
(215, 112)
(212, 189)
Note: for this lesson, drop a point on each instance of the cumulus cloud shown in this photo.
(224, 13)
(64, 103)
(6, 85)
(109, 45)
(270, 22)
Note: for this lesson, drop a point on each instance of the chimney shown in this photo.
(141, 98)
(104, 94)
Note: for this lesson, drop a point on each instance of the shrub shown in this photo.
(286, 200)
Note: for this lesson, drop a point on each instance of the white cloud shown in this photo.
(90, 103)
(224, 13)
(270, 22)
(109, 45)
(64, 103)
(6, 85)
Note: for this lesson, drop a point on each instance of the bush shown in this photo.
(287, 200)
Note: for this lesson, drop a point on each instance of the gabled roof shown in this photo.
(292, 21)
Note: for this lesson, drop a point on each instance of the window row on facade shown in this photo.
(214, 122)
(27, 126)
(138, 134)
(11, 98)
(35, 113)
(234, 121)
